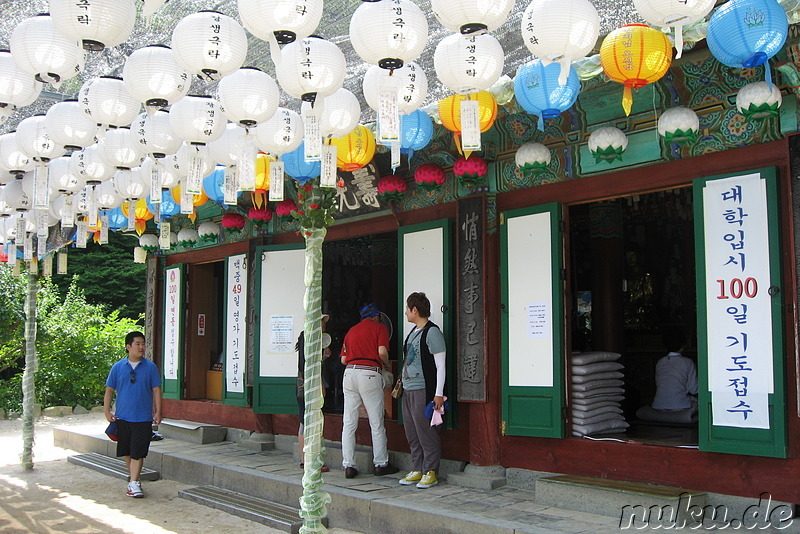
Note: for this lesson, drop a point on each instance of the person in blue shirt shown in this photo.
(137, 384)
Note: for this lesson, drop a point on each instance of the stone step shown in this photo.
(107, 465)
(191, 431)
(615, 498)
(261, 511)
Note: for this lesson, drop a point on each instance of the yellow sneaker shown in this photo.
(411, 478)
(427, 480)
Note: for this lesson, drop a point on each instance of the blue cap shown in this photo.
(370, 310)
(111, 430)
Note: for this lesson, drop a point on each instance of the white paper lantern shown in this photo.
(96, 24)
(209, 44)
(155, 133)
(15, 196)
(12, 158)
(5, 212)
(106, 197)
(248, 96)
(226, 149)
(169, 171)
(607, 143)
(560, 31)
(208, 231)
(759, 100)
(173, 239)
(69, 126)
(130, 184)
(89, 165)
(281, 134)
(154, 78)
(34, 141)
(678, 125)
(197, 119)
(187, 151)
(148, 242)
(410, 80)
(6, 177)
(471, 16)
(107, 101)
(467, 64)
(121, 149)
(340, 114)
(532, 157)
(187, 237)
(284, 20)
(28, 180)
(62, 179)
(673, 13)
(17, 87)
(39, 49)
(388, 33)
(5, 112)
(311, 67)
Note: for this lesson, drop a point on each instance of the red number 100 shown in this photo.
(737, 288)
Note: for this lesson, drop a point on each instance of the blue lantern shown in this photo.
(746, 33)
(214, 185)
(296, 166)
(539, 93)
(168, 205)
(116, 219)
(416, 131)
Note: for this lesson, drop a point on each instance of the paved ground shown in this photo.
(61, 497)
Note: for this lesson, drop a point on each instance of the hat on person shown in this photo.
(111, 431)
(370, 310)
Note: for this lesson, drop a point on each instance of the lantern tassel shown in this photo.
(540, 123)
(192, 216)
(768, 74)
(257, 198)
(457, 140)
(564, 74)
(678, 41)
(627, 100)
(140, 226)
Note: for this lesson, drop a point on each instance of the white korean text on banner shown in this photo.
(236, 314)
(172, 326)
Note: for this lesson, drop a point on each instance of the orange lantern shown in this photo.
(355, 149)
(262, 179)
(635, 55)
(141, 213)
(450, 113)
(198, 200)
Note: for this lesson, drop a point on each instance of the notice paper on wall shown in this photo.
(281, 337)
(538, 319)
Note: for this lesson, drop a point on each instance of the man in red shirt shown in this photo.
(365, 351)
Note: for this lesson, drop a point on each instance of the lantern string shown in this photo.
(678, 40)
(627, 100)
(274, 49)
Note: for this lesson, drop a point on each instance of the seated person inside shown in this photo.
(676, 385)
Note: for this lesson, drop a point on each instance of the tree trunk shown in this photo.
(28, 390)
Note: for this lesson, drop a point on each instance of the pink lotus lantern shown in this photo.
(260, 216)
(233, 222)
(391, 188)
(471, 171)
(285, 208)
(429, 177)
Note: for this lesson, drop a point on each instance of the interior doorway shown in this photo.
(204, 329)
(632, 263)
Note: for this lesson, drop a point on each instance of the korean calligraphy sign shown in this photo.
(235, 323)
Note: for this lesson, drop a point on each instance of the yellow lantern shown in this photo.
(197, 200)
(262, 179)
(141, 213)
(355, 149)
(635, 55)
(450, 113)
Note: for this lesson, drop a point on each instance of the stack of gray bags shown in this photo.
(597, 393)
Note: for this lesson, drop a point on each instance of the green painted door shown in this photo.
(234, 390)
(741, 356)
(173, 331)
(532, 317)
(280, 318)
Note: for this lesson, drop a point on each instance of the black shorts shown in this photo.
(133, 439)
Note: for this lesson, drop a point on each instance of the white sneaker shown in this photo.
(135, 489)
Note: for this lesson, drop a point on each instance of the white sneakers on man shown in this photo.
(135, 489)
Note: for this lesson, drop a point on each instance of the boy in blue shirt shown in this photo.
(137, 383)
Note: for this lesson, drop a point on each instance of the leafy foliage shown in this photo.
(315, 205)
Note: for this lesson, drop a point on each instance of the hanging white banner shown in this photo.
(187, 202)
(104, 229)
(246, 168)
(276, 174)
(173, 308)
(81, 231)
(61, 265)
(230, 187)
(328, 166)
(47, 266)
(388, 116)
(155, 183)
(12, 254)
(470, 126)
(41, 186)
(235, 324)
(312, 137)
(68, 214)
(163, 236)
(194, 177)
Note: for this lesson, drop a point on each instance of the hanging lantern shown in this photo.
(532, 157)
(97, 24)
(120, 149)
(248, 96)
(281, 20)
(185, 158)
(150, 7)
(311, 67)
(634, 56)
(340, 114)
(38, 49)
(258, 195)
(148, 242)
(187, 237)
(355, 149)
(197, 200)
(214, 186)
(106, 197)
(429, 177)
(391, 188)
(260, 216)
(537, 90)
(388, 33)
(233, 223)
(197, 119)
(108, 102)
(471, 16)
(673, 13)
(678, 125)
(466, 64)
(130, 184)
(226, 149)
(746, 33)
(757, 100)
(416, 131)
(170, 171)
(15, 196)
(560, 31)
(12, 158)
(33, 140)
(471, 172)
(450, 112)
(62, 179)
(280, 134)
(208, 232)
(89, 165)
(607, 144)
(141, 213)
(284, 209)
(155, 134)
(68, 126)
(296, 166)
(154, 78)
(168, 207)
(209, 44)
(410, 80)
(17, 87)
